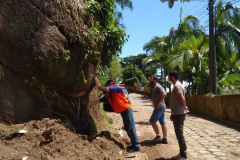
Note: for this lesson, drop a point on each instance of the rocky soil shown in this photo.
(49, 139)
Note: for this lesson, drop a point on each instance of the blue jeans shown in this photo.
(158, 115)
(129, 125)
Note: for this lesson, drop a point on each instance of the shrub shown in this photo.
(131, 81)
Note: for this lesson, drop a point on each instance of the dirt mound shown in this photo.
(49, 139)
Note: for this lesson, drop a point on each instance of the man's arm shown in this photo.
(164, 94)
(101, 87)
(182, 101)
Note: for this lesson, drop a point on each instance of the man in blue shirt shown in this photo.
(119, 103)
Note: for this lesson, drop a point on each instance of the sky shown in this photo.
(150, 18)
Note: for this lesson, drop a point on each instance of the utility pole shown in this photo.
(212, 55)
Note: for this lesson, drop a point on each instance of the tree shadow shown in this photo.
(163, 159)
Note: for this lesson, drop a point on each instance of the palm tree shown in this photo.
(159, 48)
(227, 37)
(227, 28)
(189, 26)
(191, 53)
(188, 29)
(229, 73)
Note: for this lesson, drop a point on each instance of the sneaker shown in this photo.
(132, 149)
(129, 147)
(164, 141)
(157, 139)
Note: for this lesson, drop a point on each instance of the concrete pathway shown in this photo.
(205, 139)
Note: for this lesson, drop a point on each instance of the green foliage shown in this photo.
(96, 27)
(67, 55)
(227, 38)
(131, 81)
(128, 72)
(191, 52)
(210, 95)
(202, 80)
(125, 3)
(115, 70)
(105, 25)
(227, 32)
(229, 89)
(229, 83)
(187, 47)
(84, 79)
(159, 48)
(101, 74)
(137, 60)
(170, 2)
(141, 62)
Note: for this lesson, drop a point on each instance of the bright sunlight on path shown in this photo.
(206, 140)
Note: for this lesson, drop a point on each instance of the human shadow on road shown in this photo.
(142, 123)
(148, 105)
(148, 143)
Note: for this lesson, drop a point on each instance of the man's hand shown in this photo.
(157, 107)
(187, 109)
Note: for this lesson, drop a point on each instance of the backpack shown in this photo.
(107, 107)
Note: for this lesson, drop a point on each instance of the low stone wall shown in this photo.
(225, 107)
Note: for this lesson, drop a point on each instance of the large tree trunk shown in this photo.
(47, 62)
(43, 41)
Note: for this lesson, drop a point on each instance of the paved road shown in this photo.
(205, 139)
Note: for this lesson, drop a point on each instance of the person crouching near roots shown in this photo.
(158, 114)
(178, 112)
(116, 98)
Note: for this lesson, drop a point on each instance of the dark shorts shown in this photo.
(158, 115)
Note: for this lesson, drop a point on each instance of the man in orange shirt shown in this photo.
(119, 103)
